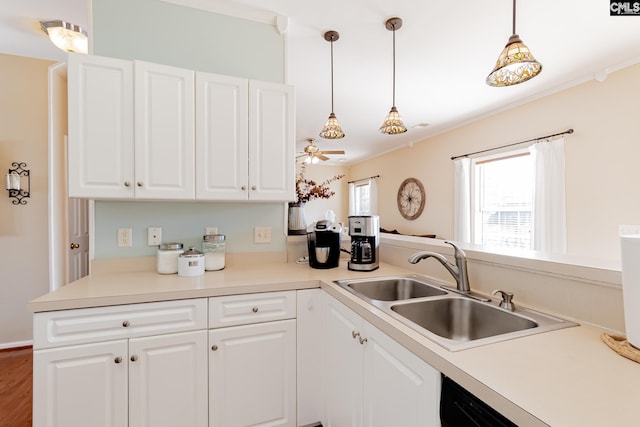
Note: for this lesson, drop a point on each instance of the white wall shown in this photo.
(602, 172)
(24, 261)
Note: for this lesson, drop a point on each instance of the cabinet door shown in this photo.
(168, 381)
(79, 386)
(271, 142)
(252, 372)
(399, 388)
(222, 167)
(343, 366)
(164, 132)
(101, 146)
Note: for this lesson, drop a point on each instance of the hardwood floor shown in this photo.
(16, 368)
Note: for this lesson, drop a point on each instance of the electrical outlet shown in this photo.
(154, 236)
(262, 235)
(124, 238)
(210, 230)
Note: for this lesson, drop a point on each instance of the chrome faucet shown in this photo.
(458, 271)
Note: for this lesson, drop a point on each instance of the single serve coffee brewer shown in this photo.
(365, 240)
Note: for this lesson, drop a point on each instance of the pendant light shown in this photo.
(516, 63)
(393, 124)
(332, 129)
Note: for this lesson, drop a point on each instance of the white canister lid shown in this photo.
(192, 252)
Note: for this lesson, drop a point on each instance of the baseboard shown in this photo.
(16, 344)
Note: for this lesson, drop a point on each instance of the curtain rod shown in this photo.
(363, 179)
(568, 131)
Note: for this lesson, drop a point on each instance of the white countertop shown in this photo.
(566, 377)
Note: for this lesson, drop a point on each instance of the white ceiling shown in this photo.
(444, 52)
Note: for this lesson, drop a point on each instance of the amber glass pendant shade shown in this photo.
(393, 124)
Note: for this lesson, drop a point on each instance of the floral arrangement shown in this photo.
(308, 189)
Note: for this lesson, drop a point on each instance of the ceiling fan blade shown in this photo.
(322, 156)
(333, 152)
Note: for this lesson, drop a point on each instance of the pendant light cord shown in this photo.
(514, 18)
(332, 75)
(394, 65)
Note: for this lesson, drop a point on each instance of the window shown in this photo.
(514, 200)
(502, 200)
(363, 198)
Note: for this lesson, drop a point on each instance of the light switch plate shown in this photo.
(262, 235)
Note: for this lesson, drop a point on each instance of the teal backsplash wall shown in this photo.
(164, 33)
(185, 222)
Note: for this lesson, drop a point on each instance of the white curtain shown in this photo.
(550, 217)
(357, 197)
(462, 200)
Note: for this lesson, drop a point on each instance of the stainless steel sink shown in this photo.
(462, 319)
(392, 288)
(455, 322)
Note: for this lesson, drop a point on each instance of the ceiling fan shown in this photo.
(313, 154)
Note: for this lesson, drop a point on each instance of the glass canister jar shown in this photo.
(167, 257)
(213, 246)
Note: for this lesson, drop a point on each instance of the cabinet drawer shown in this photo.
(251, 308)
(68, 327)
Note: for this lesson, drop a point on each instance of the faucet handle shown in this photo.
(506, 299)
(457, 252)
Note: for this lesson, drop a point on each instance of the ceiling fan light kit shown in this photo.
(516, 64)
(393, 123)
(332, 129)
(312, 153)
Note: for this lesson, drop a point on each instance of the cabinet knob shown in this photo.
(139, 183)
(127, 184)
(244, 187)
(134, 358)
(125, 324)
(75, 246)
(362, 340)
(118, 359)
(254, 309)
(253, 187)
(355, 334)
(214, 347)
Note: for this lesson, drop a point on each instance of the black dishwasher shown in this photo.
(459, 408)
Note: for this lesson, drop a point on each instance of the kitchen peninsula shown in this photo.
(560, 378)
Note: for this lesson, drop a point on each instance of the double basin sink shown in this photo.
(453, 321)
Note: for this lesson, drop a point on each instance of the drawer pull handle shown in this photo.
(134, 358)
(126, 324)
(214, 347)
(118, 359)
(362, 340)
(254, 309)
(355, 334)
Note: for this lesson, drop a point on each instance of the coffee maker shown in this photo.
(324, 245)
(365, 239)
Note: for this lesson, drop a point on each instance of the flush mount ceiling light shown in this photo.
(393, 124)
(66, 36)
(516, 63)
(332, 129)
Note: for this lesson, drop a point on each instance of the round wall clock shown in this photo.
(411, 198)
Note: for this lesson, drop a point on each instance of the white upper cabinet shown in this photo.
(271, 141)
(149, 131)
(222, 168)
(164, 132)
(100, 127)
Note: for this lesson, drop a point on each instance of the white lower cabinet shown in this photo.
(167, 380)
(81, 385)
(153, 381)
(252, 375)
(371, 380)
